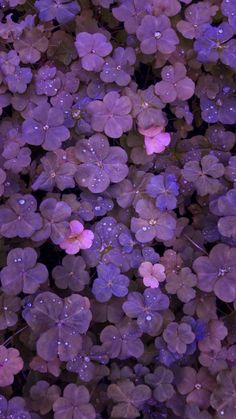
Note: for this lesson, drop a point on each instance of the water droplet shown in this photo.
(148, 317)
(21, 201)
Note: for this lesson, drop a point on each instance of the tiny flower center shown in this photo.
(157, 34)
(223, 271)
(152, 222)
(76, 113)
(45, 127)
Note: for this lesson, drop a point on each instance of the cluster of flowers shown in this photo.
(117, 209)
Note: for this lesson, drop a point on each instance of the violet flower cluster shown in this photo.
(117, 209)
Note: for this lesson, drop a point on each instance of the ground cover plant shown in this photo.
(117, 209)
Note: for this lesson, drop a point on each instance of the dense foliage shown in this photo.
(118, 209)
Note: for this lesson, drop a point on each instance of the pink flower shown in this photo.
(152, 274)
(78, 238)
(10, 364)
(155, 140)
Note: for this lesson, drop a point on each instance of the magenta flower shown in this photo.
(79, 238)
(155, 140)
(10, 364)
(152, 274)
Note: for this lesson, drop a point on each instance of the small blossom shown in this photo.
(152, 274)
(79, 238)
(155, 140)
(10, 364)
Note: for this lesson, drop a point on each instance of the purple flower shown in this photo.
(147, 108)
(18, 81)
(182, 284)
(3, 177)
(100, 163)
(82, 363)
(17, 158)
(91, 205)
(165, 189)
(212, 45)
(221, 108)
(217, 272)
(198, 386)
(123, 340)
(8, 62)
(22, 272)
(106, 245)
(111, 115)
(15, 408)
(18, 217)
(228, 9)
(119, 68)
(58, 324)
(226, 208)
(223, 396)
(145, 307)
(155, 34)
(54, 172)
(74, 403)
(130, 12)
(178, 336)
(45, 127)
(92, 48)
(109, 282)
(204, 177)
(197, 15)
(71, 274)
(152, 223)
(128, 398)
(30, 45)
(161, 380)
(174, 84)
(9, 306)
(62, 10)
(47, 81)
(55, 225)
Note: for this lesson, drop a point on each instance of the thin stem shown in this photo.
(195, 244)
(14, 334)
